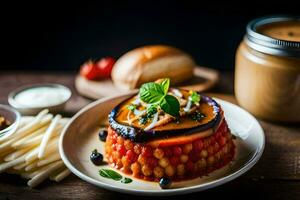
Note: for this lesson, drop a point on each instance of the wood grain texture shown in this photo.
(276, 175)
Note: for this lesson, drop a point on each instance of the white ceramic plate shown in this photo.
(80, 138)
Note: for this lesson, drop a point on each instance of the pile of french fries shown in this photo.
(32, 151)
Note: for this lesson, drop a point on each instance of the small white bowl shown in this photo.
(26, 110)
(13, 116)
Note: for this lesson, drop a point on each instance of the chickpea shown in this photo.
(187, 148)
(158, 172)
(142, 160)
(146, 170)
(128, 144)
(170, 171)
(135, 168)
(184, 158)
(125, 162)
(158, 153)
(164, 162)
(180, 169)
(203, 153)
(201, 164)
(210, 160)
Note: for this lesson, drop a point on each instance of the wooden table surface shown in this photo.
(275, 176)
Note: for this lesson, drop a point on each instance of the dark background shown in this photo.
(60, 36)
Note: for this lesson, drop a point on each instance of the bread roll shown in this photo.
(150, 63)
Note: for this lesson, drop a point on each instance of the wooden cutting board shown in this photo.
(204, 78)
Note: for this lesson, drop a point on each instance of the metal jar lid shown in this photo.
(269, 45)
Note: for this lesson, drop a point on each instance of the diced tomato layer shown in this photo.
(180, 162)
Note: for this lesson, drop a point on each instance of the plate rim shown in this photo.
(184, 190)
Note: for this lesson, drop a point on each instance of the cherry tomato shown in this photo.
(89, 70)
(105, 66)
(97, 70)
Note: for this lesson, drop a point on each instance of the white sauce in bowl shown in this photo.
(43, 96)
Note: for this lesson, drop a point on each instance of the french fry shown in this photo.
(14, 155)
(7, 165)
(34, 141)
(31, 174)
(37, 123)
(34, 154)
(23, 122)
(38, 132)
(61, 175)
(32, 151)
(40, 177)
(34, 125)
(4, 153)
(47, 136)
(31, 142)
(49, 159)
(5, 146)
(31, 166)
(20, 166)
(21, 159)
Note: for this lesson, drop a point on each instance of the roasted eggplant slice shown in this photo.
(207, 116)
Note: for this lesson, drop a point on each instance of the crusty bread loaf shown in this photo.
(150, 63)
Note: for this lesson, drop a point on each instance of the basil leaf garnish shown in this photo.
(165, 84)
(170, 105)
(151, 92)
(111, 174)
(157, 94)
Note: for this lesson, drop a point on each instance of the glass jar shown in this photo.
(267, 69)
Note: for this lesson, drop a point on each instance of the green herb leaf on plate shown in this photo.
(151, 93)
(195, 97)
(151, 110)
(165, 84)
(131, 107)
(170, 105)
(111, 174)
(126, 180)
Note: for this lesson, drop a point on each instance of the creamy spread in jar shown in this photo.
(287, 30)
(267, 69)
